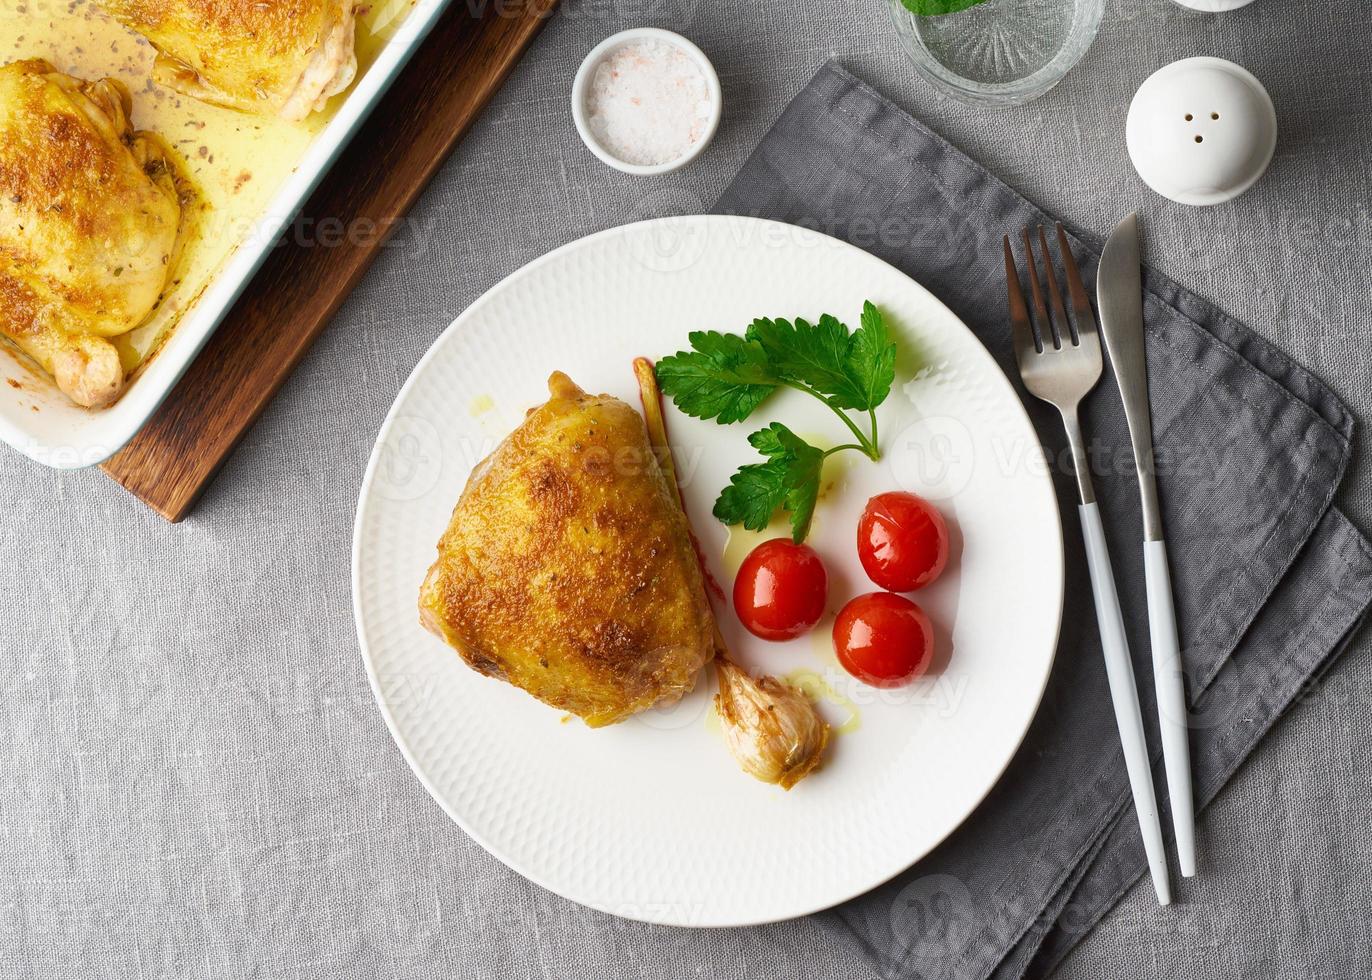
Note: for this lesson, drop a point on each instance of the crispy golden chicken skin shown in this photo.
(90, 215)
(273, 57)
(568, 568)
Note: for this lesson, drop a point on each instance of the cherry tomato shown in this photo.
(902, 541)
(883, 639)
(781, 589)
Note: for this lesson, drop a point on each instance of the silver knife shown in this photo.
(1119, 297)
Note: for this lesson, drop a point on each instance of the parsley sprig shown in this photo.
(725, 377)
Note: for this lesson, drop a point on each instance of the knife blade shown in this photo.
(1119, 299)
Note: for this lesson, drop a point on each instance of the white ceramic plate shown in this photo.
(651, 819)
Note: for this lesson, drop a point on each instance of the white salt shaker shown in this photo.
(1201, 131)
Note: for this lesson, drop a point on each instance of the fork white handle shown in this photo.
(1172, 714)
(1119, 669)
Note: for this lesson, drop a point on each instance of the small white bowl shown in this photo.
(583, 80)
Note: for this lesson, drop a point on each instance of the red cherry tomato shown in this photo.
(902, 541)
(781, 589)
(883, 639)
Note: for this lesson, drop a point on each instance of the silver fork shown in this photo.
(1060, 364)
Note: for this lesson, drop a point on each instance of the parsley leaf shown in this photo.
(849, 370)
(753, 495)
(872, 358)
(724, 377)
(928, 8)
(813, 355)
(789, 478)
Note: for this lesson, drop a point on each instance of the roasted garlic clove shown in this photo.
(773, 731)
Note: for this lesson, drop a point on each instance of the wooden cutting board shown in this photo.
(377, 178)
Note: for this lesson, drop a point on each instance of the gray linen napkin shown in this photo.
(1270, 580)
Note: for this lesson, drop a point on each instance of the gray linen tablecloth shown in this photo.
(1270, 582)
(194, 781)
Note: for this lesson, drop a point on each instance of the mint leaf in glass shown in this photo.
(932, 8)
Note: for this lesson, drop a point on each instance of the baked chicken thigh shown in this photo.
(273, 57)
(90, 213)
(568, 568)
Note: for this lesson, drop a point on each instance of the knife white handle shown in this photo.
(1119, 669)
(1172, 714)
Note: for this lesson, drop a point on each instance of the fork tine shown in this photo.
(1061, 322)
(1081, 304)
(1045, 322)
(1020, 329)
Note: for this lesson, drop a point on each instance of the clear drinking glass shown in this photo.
(1001, 52)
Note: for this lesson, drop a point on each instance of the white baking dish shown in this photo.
(37, 420)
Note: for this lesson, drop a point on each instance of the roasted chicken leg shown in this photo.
(273, 57)
(568, 569)
(90, 216)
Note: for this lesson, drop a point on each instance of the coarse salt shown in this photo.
(648, 103)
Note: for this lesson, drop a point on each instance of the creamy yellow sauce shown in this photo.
(713, 723)
(236, 161)
(740, 541)
(480, 405)
(816, 688)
